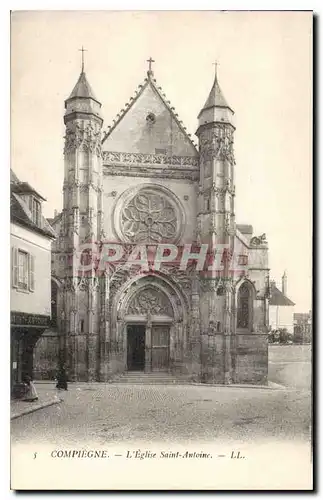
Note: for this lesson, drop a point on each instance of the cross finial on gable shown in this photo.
(150, 61)
(82, 50)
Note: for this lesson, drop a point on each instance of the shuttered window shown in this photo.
(23, 270)
(35, 208)
(14, 266)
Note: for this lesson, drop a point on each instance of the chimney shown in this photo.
(284, 283)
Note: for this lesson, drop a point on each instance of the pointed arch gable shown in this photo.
(160, 283)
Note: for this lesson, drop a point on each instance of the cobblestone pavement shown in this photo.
(111, 414)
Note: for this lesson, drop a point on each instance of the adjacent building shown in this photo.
(144, 181)
(281, 308)
(30, 292)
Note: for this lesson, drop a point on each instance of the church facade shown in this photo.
(143, 182)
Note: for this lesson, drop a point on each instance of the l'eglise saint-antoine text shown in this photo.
(166, 454)
(135, 454)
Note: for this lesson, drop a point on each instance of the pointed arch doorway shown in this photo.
(148, 345)
(149, 317)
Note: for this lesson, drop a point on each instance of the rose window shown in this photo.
(150, 217)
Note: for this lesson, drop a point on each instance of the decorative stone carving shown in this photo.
(118, 276)
(259, 240)
(152, 301)
(229, 224)
(217, 143)
(83, 136)
(182, 278)
(149, 217)
(213, 328)
(209, 284)
(75, 220)
(212, 229)
(185, 173)
(198, 229)
(150, 159)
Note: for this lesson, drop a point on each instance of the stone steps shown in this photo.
(159, 378)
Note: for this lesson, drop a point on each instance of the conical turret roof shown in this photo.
(83, 88)
(216, 98)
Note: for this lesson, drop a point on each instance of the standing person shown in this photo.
(61, 379)
(31, 394)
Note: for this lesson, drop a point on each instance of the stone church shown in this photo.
(143, 180)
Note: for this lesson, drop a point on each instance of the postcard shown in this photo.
(161, 250)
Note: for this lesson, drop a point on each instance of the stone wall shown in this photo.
(251, 359)
(147, 126)
(46, 355)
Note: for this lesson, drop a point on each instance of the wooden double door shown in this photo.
(148, 347)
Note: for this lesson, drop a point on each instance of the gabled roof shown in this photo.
(215, 99)
(19, 187)
(13, 178)
(83, 88)
(25, 188)
(277, 298)
(149, 80)
(20, 213)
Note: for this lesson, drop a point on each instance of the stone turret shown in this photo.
(81, 224)
(216, 187)
(216, 227)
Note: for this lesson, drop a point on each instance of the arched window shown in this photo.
(54, 294)
(244, 309)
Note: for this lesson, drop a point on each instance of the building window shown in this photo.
(244, 307)
(243, 260)
(23, 270)
(160, 151)
(35, 208)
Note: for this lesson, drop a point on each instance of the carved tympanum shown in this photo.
(150, 301)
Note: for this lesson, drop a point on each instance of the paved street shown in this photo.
(107, 413)
(290, 365)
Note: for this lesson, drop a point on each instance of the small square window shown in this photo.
(243, 260)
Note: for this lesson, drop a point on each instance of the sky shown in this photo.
(265, 72)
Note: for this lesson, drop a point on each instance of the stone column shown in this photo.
(227, 334)
(148, 350)
(178, 346)
(104, 327)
